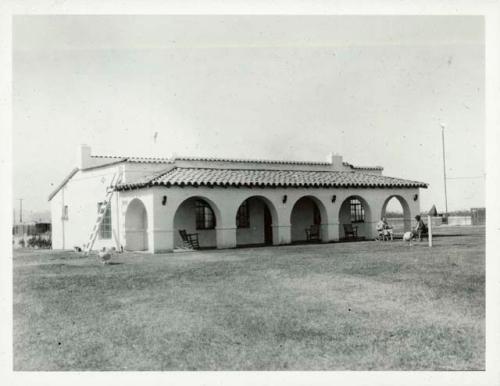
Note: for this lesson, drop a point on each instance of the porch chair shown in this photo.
(385, 234)
(350, 231)
(190, 240)
(312, 233)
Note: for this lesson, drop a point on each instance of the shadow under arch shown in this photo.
(307, 211)
(197, 214)
(136, 226)
(356, 211)
(406, 226)
(254, 219)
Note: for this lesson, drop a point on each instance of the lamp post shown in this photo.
(20, 210)
(444, 170)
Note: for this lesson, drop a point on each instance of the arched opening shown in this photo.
(197, 215)
(136, 226)
(254, 222)
(306, 218)
(397, 213)
(355, 219)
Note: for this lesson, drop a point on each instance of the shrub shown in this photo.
(39, 242)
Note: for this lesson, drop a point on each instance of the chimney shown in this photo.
(83, 157)
(335, 160)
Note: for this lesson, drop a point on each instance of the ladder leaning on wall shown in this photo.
(110, 190)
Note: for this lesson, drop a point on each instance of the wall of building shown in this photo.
(136, 171)
(82, 194)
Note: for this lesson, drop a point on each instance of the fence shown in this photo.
(398, 222)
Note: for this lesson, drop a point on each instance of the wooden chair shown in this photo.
(313, 233)
(190, 240)
(350, 231)
(381, 236)
(385, 234)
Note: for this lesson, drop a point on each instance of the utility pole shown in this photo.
(20, 210)
(444, 171)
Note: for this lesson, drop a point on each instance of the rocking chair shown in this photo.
(190, 240)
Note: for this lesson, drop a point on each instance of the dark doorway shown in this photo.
(268, 228)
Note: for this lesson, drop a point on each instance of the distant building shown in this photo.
(228, 202)
(31, 229)
(478, 216)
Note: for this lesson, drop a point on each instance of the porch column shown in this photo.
(226, 228)
(282, 234)
(160, 223)
(160, 240)
(226, 237)
(330, 232)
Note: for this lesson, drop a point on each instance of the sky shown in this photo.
(374, 89)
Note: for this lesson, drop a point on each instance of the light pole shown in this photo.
(20, 210)
(444, 170)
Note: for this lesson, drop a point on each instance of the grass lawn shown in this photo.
(344, 306)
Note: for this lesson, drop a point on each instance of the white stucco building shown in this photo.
(228, 203)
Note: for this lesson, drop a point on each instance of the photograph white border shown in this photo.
(491, 12)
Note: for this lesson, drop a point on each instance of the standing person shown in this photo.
(420, 228)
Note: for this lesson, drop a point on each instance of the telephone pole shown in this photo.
(20, 210)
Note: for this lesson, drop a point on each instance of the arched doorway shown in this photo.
(197, 215)
(136, 226)
(355, 215)
(254, 222)
(397, 213)
(307, 215)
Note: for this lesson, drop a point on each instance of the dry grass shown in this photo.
(366, 305)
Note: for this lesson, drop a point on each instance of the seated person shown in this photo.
(420, 228)
(384, 229)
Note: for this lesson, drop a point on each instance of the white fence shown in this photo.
(397, 222)
(460, 220)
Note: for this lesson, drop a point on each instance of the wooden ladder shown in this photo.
(110, 190)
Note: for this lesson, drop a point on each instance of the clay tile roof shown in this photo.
(180, 176)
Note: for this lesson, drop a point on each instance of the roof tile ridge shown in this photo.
(107, 156)
(263, 169)
(162, 173)
(368, 167)
(127, 158)
(243, 160)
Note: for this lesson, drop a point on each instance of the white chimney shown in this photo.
(83, 157)
(335, 160)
